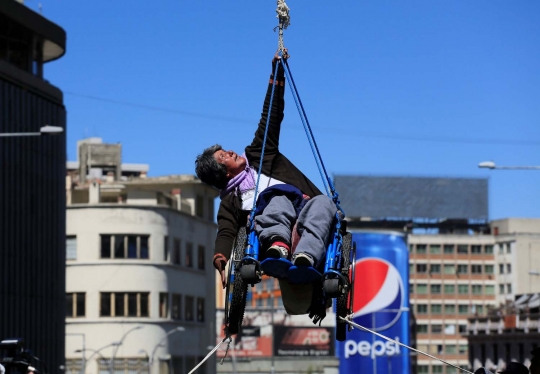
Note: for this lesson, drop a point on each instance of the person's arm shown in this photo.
(276, 116)
(226, 235)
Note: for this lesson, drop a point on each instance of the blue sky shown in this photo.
(421, 88)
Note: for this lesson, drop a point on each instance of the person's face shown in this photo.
(535, 366)
(234, 163)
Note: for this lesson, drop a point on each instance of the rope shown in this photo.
(284, 22)
(210, 354)
(403, 345)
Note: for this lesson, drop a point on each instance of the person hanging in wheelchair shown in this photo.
(293, 219)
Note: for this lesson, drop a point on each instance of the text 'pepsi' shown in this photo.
(378, 348)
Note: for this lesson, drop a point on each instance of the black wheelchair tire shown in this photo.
(342, 307)
(239, 288)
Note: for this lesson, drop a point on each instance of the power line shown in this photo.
(439, 139)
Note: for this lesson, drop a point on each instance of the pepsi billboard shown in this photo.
(381, 303)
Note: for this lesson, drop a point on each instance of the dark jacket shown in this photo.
(276, 165)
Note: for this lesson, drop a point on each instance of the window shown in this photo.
(476, 269)
(124, 365)
(422, 329)
(449, 269)
(200, 309)
(508, 268)
(501, 268)
(436, 329)
(176, 306)
(488, 249)
(450, 329)
(199, 206)
(476, 249)
(488, 269)
(476, 289)
(462, 329)
(124, 246)
(421, 288)
(189, 255)
(163, 305)
(75, 304)
(489, 289)
(451, 370)
(463, 289)
(73, 366)
(420, 249)
(436, 308)
(165, 248)
(449, 249)
(434, 249)
(176, 254)
(435, 269)
(450, 309)
(509, 288)
(501, 248)
(435, 288)
(449, 289)
(463, 249)
(200, 256)
(124, 304)
(421, 309)
(421, 268)
(411, 268)
(210, 209)
(189, 308)
(508, 247)
(411, 287)
(450, 349)
(501, 289)
(462, 269)
(71, 248)
(479, 309)
(463, 309)
(423, 369)
(436, 369)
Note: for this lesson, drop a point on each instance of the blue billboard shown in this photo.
(381, 303)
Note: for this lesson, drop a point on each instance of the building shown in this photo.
(140, 284)
(32, 218)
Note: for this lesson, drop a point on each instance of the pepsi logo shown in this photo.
(378, 294)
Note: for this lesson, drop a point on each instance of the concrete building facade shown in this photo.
(140, 283)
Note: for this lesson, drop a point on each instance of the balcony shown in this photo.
(524, 323)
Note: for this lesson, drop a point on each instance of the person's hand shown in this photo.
(220, 263)
(284, 55)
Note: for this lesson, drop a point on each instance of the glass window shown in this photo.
(435, 288)
(163, 305)
(200, 256)
(436, 329)
(508, 268)
(423, 369)
(422, 329)
(71, 248)
(501, 289)
(176, 253)
(434, 249)
(411, 268)
(450, 349)
(462, 329)
(421, 288)
(479, 309)
(501, 268)
(75, 304)
(421, 309)
(132, 304)
(463, 289)
(435, 269)
(449, 249)
(436, 369)
(210, 208)
(449, 289)
(119, 246)
(449, 308)
(476, 289)
(436, 308)
(476, 269)
(132, 246)
(189, 308)
(105, 246)
(509, 288)
(488, 269)
(165, 248)
(421, 249)
(476, 249)
(411, 287)
(451, 370)
(508, 247)
(105, 304)
(449, 269)
(119, 305)
(449, 329)
(463, 309)
(421, 268)
(462, 269)
(463, 249)
(69, 305)
(199, 206)
(189, 255)
(463, 348)
(124, 304)
(144, 305)
(144, 247)
(176, 306)
(200, 309)
(501, 248)
(488, 249)
(489, 289)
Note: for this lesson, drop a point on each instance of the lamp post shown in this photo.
(491, 165)
(173, 331)
(118, 344)
(45, 130)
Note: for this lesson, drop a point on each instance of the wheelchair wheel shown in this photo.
(342, 308)
(239, 287)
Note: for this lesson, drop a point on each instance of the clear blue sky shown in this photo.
(421, 88)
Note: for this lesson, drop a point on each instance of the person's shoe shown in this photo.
(303, 259)
(278, 250)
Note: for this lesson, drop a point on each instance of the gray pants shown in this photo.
(314, 224)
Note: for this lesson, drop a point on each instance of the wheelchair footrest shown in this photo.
(276, 267)
(303, 274)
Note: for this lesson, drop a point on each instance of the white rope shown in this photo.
(209, 354)
(403, 345)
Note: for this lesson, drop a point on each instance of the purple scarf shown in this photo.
(245, 181)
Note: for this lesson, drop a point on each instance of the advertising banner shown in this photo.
(303, 341)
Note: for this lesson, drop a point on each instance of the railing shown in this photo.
(497, 324)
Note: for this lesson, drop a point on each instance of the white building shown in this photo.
(140, 284)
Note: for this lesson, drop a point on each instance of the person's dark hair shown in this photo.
(209, 170)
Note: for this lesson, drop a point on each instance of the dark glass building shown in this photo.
(32, 186)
